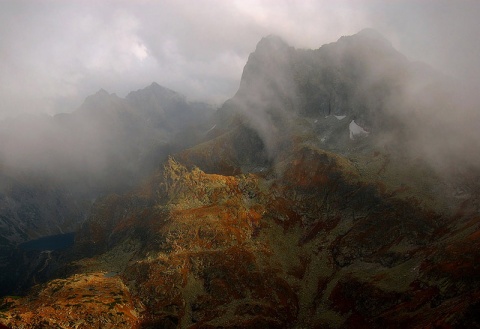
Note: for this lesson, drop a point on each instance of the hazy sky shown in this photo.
(55, 53)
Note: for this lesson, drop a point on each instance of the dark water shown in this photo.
(52, 242)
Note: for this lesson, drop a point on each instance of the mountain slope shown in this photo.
(52, 168)
(301, 208)
(275, 250)
(84, 153)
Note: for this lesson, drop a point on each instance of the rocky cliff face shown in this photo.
(314, 225)
(360, 80)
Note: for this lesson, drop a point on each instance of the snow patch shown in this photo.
(340, 117)
(356, 130)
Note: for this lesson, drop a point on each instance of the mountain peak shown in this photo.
(367, 36)
(156, 91)
(155, 87)
(372, 34)
(100, 96)
(271, 43)
(101, 99)
(273, 38)
(102, 92)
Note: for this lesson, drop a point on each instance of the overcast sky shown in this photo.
(55, 53)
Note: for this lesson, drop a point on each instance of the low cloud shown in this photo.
(54, 54)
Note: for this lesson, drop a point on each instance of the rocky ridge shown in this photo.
(53, 168)
(269, 249)
(290, 223)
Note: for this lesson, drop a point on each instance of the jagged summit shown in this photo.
(99, 95)
(102, 92)
(372, 34)
(157, 89)
(266, 66)
(365, 36)
(101, 99)
(368, 43)
(271, 43)
(279, 78)
(360, 78)
(157, 99)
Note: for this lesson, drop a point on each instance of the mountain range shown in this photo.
(333, 190)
